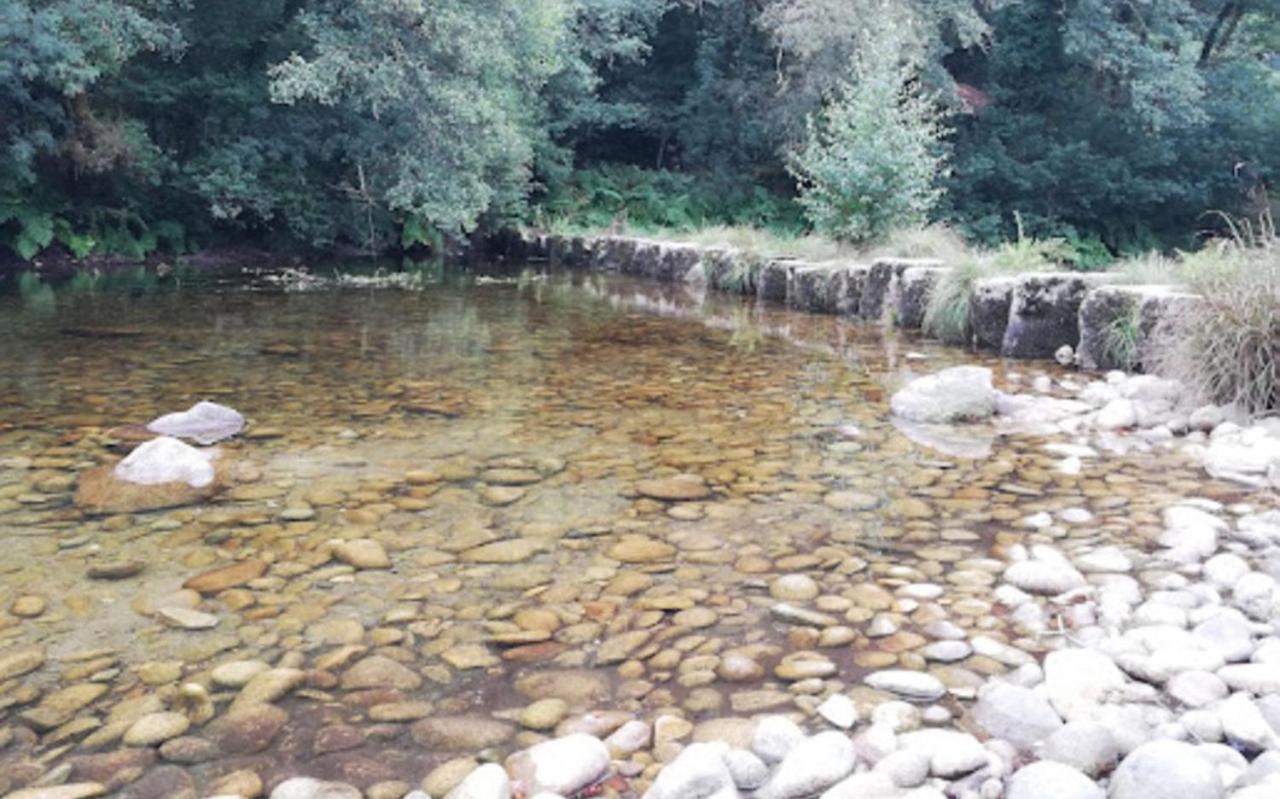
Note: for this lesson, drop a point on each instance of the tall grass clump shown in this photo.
(1225, 345)
(929, 241)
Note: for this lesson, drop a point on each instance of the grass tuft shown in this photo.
(1226, 345)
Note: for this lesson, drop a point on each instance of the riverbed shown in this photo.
(480, 508)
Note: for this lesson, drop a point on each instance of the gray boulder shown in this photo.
(1166, 769)
(963, 393)
(1018, 715)
(1086, 746)
(205, 423)
(1047, 780)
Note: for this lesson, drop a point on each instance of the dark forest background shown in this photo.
(135, 126)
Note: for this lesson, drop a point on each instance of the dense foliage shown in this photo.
(132, 125)
(871, 159)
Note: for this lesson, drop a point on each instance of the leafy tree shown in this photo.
(1104, 120)
(872, 158)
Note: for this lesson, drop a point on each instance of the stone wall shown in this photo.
(1019, 316)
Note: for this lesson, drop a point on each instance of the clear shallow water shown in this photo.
(383, 414)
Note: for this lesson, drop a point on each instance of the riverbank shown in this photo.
(1031, 315)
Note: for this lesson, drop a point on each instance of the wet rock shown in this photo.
(1244, 726)
(461, 733)
(774, 737)
(337, 738)
(812, 766)
(905, 768)
(1016, 714)
(913, 685)
(17, 661)
(362, 553)
(205, 423)
(544, 714)
(248, 730)
(379, 671)
(1047, 780)
(116, 570)
(59, 707)
(962, 393)
(188, 750)
(162, 473)
(951, 754)
(794, 588)
(114, 769)
(749, 772)
(400, 711)
(1196, 688)
(242, 783)
(1256, 678)
(839, 710)
(501, 496)
(736, 667)
(225, 577)
(163, 782)
(563, 765)
(489, 781)
(266, 687)
(1076, 680)
(804, 665)
(28, 606)
(1038, 577)
(698, 771)
(1086, 746)
(156, 728)
(851, 500)
(578, 687)
(638, 549)
(78, 790)
(681, 488)
(1166, 770)
(513, 550)
(308, 788)
(469, 656)
(448, 775)
(1227, 632)
(237, 673)
(187, 618)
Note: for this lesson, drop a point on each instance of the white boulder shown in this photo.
(963, 393)
(205, 423)
(167, 460)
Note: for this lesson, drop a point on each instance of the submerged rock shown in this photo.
(205, 423)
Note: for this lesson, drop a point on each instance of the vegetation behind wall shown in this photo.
(135, 125)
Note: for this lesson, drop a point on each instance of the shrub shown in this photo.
(660, 200)
(1226, 345)
(872, 158)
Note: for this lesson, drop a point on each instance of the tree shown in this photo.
(56, 52)
(1104, 121)
(872, 159)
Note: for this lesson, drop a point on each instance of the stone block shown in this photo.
(1045, 313)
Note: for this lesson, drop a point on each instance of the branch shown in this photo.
(1229, 9)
